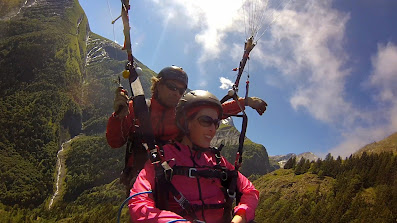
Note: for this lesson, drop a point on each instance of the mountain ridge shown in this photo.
(388, 144)
(282, 159)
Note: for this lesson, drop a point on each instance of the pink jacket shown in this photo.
(143, 209)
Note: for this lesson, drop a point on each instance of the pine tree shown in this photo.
(300, 167)
(291, 163)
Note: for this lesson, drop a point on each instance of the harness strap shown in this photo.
(192, 172)
(208, 206)
(162, 173)
(197, 207)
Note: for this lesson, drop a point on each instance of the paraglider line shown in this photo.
(126, 200)
(176, 220)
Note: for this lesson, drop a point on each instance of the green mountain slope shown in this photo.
(388, 144)
(41, 58)
(104, 63)
(358, 189)
(56, 81)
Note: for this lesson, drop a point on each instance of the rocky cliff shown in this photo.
(282, 159)
(255, 157)
(227, 134)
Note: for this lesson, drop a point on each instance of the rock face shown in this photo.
(255, 157)
(282, 159)
(38, 9)
(103, 50)
(227, 135)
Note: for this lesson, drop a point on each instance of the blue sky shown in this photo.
(327, 69)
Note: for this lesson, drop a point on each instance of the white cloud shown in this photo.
(225, 83)
(212, 19)
(383, 121)
(306, 44)
(384, 76)
(357, 139)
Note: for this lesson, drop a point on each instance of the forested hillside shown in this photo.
(41, 59)
(56, 81)
(358, 189)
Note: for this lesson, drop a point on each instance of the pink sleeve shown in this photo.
(250, 197)
(142, 207)
(118, 130)
(232, 108)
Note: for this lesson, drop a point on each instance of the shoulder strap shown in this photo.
(164, 185)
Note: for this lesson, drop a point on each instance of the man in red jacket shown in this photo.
(167, 88)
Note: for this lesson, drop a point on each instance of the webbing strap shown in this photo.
(165, 184)
(197, 207)
(207, 206)
(191, 172)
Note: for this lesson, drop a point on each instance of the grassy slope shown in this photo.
(388, 144)
(282, 193)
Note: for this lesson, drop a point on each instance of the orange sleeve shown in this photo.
(117, 130)
(232, 107)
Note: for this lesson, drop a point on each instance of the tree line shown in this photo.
(359, 189)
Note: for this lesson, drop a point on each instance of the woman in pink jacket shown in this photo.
(193, 182)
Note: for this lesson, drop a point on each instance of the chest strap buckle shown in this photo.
(191, 172)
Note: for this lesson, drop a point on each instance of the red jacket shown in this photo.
(142, 207)
(163, 122)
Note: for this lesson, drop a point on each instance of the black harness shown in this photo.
(164, 187)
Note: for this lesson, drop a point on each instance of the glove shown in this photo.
(256, 103)
(120, 104)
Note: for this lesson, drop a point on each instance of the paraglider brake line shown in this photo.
(176, 220)
(126, 200)
(130, 197)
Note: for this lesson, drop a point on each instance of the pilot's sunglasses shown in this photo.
(207, 121)
(173, 87)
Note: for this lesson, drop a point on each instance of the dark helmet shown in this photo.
(174, 73)
(193, 99)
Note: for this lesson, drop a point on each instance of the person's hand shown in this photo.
(256, 103)
(239, 219)
(120, 104)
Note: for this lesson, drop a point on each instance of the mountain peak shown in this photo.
(228, 121)
(282, 159)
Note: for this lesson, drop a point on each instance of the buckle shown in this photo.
(182, 201)
(231, 195)
(190, 172)
(168, 174)
(168, 171)
(223, 175)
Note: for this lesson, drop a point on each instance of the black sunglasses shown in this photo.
(173, 87)
(207, 121)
